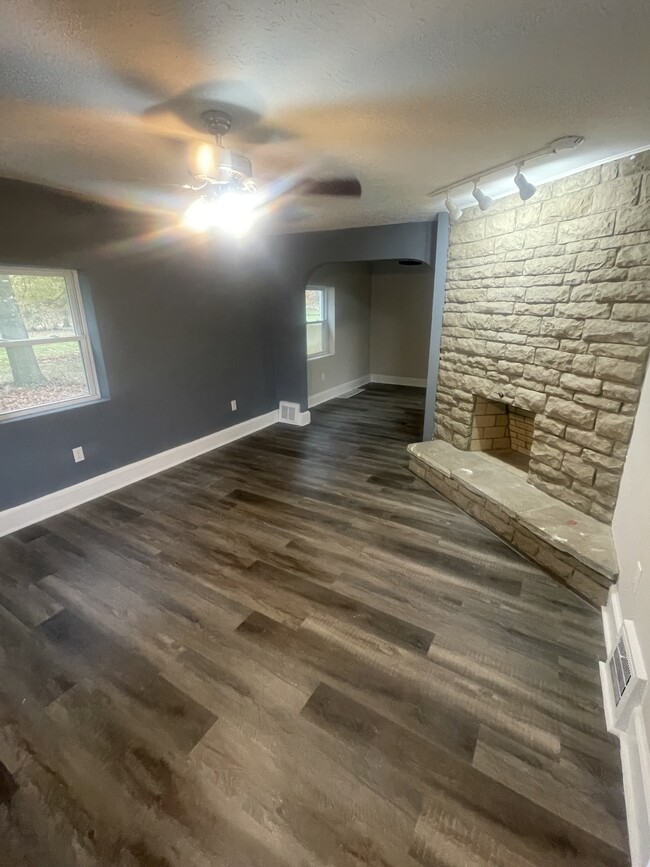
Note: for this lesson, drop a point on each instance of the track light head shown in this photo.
(455, 213)
(484, 202)
(526, 189)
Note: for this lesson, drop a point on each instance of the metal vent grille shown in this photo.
(619, 669)
(623, 675)
(289, 412)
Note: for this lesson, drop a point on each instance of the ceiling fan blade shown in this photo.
(349, 187)
(265, 133)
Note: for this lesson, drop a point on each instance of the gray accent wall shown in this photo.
(185, 326)
(183, 330)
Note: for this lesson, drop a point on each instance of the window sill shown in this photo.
(49, 410)
(319, 356)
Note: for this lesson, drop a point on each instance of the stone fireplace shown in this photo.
(547, 310)
(544, 345)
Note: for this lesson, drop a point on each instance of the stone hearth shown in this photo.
(574, 548)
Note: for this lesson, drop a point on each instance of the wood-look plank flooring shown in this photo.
(293, 652)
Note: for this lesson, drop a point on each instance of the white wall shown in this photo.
(400, 321)
(631, 529)
(351, 359)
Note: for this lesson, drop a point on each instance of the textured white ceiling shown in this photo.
(101, 96)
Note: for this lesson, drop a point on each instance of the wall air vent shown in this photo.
(620, 672)
(623, 677)
(289, 412)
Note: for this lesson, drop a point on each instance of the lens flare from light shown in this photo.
(233, 213)
(197, 217)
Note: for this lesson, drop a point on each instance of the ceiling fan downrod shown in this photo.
(216, 122)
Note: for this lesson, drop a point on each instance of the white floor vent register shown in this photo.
(290, 414)
(624, 677)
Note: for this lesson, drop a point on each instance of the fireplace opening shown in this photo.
(503, 430)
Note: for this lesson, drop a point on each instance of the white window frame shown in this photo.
(328, 322)
(80, 336)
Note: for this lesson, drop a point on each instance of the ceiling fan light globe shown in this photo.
(235, 213)
(197, 217)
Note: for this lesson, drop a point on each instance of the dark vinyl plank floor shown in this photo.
(292, 652)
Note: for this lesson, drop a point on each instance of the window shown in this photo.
(319, 307)
(45, 356)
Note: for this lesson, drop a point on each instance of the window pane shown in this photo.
(32, 376)
(34, 306)
(316, 338)
(315, 304)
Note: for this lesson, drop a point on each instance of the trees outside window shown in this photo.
(319, 309)
(45, 355)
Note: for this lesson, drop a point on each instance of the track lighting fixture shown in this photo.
(484, 202)
(455, 213)
(526, 189)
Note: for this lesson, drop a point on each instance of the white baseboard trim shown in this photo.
(635, 762)
(398, 380)
(337, 390)
(612, 618)
(67, 498)
(635, 753)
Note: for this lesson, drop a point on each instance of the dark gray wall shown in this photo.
(184, 328)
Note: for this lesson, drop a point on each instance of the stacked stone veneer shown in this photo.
(548, 308)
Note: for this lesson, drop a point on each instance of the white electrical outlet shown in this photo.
(78, 454)
(233, 405)
(638, 572)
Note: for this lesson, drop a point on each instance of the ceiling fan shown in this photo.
(229, 198)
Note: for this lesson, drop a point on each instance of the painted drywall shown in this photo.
(184, 328)
(296, 258)
(186, 324)
(411, 96)
(631, 530)
(400, 320)
(351, 359)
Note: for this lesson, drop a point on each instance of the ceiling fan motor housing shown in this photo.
(216, 122)
(218, 165)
